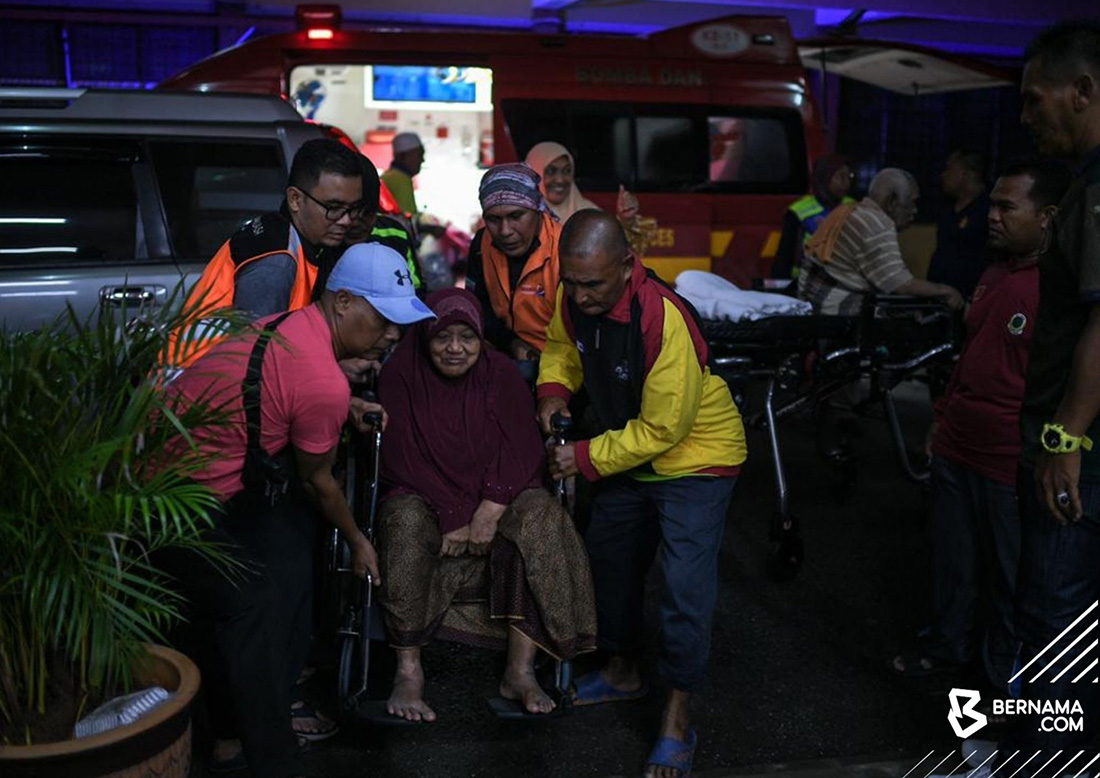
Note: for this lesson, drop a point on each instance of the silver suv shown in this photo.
(115, 197)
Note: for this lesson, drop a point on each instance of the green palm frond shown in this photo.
(97, 467)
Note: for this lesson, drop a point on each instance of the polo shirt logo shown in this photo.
(1017, 324)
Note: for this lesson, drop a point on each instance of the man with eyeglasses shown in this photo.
(279, 261)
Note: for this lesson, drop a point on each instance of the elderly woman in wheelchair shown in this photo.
(472, 547)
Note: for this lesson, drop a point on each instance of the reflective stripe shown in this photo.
(806, 207)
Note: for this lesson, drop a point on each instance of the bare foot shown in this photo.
(520, 685)
(407, 698)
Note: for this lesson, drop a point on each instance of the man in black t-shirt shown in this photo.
(960, 259)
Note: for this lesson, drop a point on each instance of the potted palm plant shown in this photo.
(95, 481)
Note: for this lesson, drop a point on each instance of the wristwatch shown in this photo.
(1056, 440)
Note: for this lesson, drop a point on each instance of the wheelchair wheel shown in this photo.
(788, 552)
(346, 669)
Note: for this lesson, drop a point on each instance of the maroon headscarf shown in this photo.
(457, 441)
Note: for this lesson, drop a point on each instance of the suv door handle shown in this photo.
(130, 296)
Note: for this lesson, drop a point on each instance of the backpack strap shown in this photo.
(250, 390)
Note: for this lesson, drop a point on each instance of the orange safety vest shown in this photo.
(262, 237)
(527, 310)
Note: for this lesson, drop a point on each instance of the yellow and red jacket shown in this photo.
(662, 412)
(527, 310)
(262, 237)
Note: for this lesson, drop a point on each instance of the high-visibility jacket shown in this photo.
(262, 237)
(810, 213)
(392, 233)
(527, 309)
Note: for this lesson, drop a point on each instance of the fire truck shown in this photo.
(712, 124)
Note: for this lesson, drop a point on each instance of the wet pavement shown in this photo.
(799, 685)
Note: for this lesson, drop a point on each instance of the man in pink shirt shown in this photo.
(974, 442)
(286, 399)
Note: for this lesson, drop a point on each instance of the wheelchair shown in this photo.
(361, 621)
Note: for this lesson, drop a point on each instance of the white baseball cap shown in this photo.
(380, 276)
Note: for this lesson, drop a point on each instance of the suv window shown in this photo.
(210, 189)
(67, 207)
(668, 148)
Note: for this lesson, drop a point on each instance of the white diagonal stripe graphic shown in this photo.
(1004, 763)
(979, 767)
(1079, 772)
(937, 767)
(1035, 658)
(1062, 653)
(1086, 670)
(1080, 656)
(1025, 764)
(1040, 770)
(1071, 761)
(963, 762)
(918, 764)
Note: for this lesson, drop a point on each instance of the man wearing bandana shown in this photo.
(513, 267)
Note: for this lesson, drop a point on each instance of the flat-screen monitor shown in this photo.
(451, 87)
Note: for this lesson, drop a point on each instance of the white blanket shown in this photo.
(716, 298)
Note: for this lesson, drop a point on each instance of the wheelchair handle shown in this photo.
(560, 423)
(374, 418)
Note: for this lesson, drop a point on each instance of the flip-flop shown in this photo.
(326, 727)
(592, 689)
(677, 754)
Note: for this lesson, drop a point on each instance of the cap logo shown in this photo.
(402, 276)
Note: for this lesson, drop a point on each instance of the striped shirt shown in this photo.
(867, 259)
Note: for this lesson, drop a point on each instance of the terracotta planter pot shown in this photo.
(156, 746)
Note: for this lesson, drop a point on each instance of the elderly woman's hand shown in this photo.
(562, 461)
(483, 527)
(455, 542)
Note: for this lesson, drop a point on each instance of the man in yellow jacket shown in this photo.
(665, 462)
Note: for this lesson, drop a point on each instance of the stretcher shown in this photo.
(804, 361)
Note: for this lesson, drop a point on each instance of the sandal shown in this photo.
(592, 689)
(322, 730)
(677, 754)
(914, 664)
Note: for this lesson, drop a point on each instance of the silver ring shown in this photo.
(1063, 499)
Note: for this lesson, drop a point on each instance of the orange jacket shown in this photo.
(528, 310)
(262, 237)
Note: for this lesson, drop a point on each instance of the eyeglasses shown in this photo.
(335, 213)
